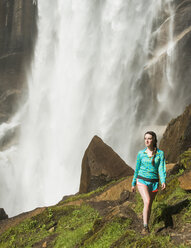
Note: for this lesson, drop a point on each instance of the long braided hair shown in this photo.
(154, 145)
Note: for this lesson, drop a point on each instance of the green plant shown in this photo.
(180, 172)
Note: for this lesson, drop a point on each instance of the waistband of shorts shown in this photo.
(148, 179)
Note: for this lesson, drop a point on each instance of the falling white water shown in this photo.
(168, 81)
(84, 81)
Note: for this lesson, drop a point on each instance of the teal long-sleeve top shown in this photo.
(145, 168)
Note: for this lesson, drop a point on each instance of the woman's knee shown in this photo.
(147, 202)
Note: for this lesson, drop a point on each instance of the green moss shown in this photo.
(81, 226)
(138, 208)
(172, 185)
(176, 196)
(128, 239)
(83, 196)
(72, 228)
(180, 172)
(158, 216)
(134, 239)
(108, 234)
(185, 159)
(23, 235)
(186, 217)
(153, 241)
(171, 206)
(71, 224)
(183, 246)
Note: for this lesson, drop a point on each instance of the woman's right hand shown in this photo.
(133, 188)
(163, 186)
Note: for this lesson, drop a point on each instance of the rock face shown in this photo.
(172, 25)
(101, 165)
(17, 38)
(185, 181)
(3, 215)
(183, 166)
(173, 169)
(177, 137)
(116, 192)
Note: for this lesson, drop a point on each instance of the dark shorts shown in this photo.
(152, 186)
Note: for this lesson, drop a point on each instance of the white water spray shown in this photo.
(85, 80)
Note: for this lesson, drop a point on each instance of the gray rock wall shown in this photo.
(177, 136)
(17, 38)
(162, 68)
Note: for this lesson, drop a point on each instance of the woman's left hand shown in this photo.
(163, 186)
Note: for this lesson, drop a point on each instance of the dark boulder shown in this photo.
(3, 215)
(101, 165)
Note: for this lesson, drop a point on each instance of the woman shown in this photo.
(150, 165)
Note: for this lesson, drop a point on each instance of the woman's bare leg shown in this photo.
(152, 197)
(148, 198)
(144, 192)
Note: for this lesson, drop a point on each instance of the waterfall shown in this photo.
(88, 77)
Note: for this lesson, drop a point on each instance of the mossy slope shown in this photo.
(85, 224)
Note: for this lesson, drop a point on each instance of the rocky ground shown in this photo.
(110, 216)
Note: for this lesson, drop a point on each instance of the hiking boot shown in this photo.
(145, 231)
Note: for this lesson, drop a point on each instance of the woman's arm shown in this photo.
(138, 164)
(162, 169)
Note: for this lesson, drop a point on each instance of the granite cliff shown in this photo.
(177, 136)
(166, 79)
(17, 38)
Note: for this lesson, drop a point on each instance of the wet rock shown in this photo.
(115, 192)
(124, 196)
(177, 137)
(67, 196)
(3, 215)
(155, 75)
(174, 168)
(44, 245)
(170, 167)
(101, 165)
(185, 181)
(17, 39)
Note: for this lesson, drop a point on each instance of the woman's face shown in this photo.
(148, 140)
